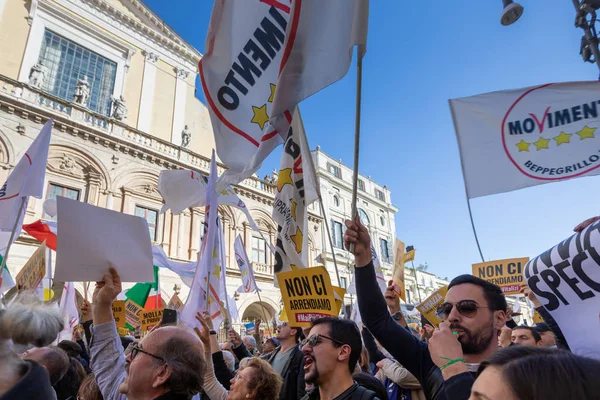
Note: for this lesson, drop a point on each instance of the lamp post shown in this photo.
(585, 18)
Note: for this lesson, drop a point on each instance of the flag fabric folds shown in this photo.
(6, 280)
(185, 270)
(26, 179)
(296, 190)
(241, 258)
(69, 310)
(43, 231)
(378, 273)
(514, 139)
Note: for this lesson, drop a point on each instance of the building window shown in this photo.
(337, 234)
(56, 190)
(66, 63)
(343, 282)
(385, 253)
(151, 216)
(259, 250)
(364, 218)
(335, 170)
(336, 201)
(379, 194)
(361, 185)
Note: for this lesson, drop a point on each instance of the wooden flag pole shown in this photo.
(12, 235)
(86, 286)
(356, 137)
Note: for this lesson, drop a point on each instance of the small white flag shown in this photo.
(241, 258)
(69, 310)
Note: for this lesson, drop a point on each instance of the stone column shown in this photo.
(148, 85)
(110, 200)
(180, 235)
(179, 110)
(196, 229)
(166, 237)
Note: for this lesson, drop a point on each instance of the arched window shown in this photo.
(336, 201)
(364, 218)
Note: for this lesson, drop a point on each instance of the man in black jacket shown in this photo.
(331, 352)
(474, 312)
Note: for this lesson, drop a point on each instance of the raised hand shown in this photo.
(445, 350)
(234, 337)
(204, 333)
(358, 235)
(105, 292)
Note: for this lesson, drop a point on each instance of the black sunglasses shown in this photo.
(135, 350)
(467, 308)
(316, 339)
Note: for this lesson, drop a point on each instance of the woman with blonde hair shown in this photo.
(255, 379)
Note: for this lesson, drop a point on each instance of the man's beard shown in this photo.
(474, 343)
(313, 376)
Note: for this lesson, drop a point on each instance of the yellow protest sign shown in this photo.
(175, 303)
(430, 305)
(339, 303)
(508, 273)
(34, 270)
(118, 307)
(123, 331)
(132, 313)
(150, 318)
(409, 256)
(307, 294)
(537, 318)
(398, 276)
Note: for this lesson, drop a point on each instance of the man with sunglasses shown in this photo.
(474, 312)
(331, 352)
(168, 364)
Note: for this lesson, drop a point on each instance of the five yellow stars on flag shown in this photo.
(563, 138)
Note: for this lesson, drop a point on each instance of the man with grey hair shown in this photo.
(229, 360)
(250, 343)
(167, 364)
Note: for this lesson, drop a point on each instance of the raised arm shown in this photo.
(213, 389)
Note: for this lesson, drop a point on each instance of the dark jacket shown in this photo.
(293, 371)
(35, 384)
(223, 374)
(354, 392)
(409, 351)
(561, 342)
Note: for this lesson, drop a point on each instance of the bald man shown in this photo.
(167, 364)
(55, 360)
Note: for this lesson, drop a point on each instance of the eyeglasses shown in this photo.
(316, 339)
(237, 376)
(135, 350)
(468, 308)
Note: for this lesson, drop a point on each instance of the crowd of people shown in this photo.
(478, 352)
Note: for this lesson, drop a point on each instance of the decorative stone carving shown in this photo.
(115, 159)
(186, 137)
(119, 108)
(182, 73)
(21, 129)
(67, 163)
(152, 57)
(149, 189)
(37, 76)
(82, 92)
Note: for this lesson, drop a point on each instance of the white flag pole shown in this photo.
(356, 135)
(12, 234)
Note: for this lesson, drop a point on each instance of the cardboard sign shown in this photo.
(132, 313)
(34, 270)
(123, 331)
(537, 318)
(150, 318)
(430, 305)
(307, 294)
(398, 276)
(175, 303)
(118, 307)
(508, 274)
(339, 298)
(566, 280)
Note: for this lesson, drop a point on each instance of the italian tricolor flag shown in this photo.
(43, 230)
(6, 280)
(145, 294)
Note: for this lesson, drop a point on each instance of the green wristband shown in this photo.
(450, 362)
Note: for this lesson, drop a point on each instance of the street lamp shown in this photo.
(585, 19)
(511, 13)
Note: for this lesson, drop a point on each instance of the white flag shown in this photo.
(26, 179)
(245, 45)
(69, 310)
(319, 42)
(241, 258)
(514, 139)
(296, 190)
(208, 272)
(185, 270)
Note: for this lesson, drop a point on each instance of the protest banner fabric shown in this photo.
(250, 328)
(26, 179)
(175, 303)
(241, 258)
(514, 139)
(118, 309)
(307, 294)
(428, 307)
(378, 274)
(409, 256)
(69, 310)
(398, 276)
(296, 190)
(44, 231)
(32, 273)
(150, 318)
(566, 280)
(508, 274)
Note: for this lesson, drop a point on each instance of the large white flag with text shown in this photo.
(514, 139)
(26, 179)
(241, 258)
